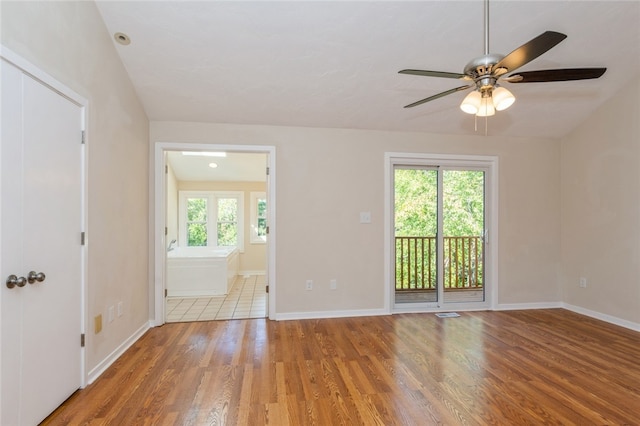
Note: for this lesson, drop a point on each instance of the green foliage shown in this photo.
(463, 203)
(227, 221)
(262, 217)
(227, 210)
(196, 222)
(227, 226)
(416, 202)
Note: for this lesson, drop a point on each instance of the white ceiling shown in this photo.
(334, 63)
(235, 166)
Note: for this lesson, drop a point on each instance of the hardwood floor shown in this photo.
(505, 368)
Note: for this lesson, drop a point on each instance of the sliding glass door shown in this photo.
(439, 218)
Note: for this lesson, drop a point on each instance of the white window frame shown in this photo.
(212, 215)
(254, 237)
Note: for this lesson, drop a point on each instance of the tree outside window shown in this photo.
(211, 219)
(196, 222)
(227, 221)
(258, 217)
(262, 217)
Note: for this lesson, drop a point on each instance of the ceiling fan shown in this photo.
(485, 73)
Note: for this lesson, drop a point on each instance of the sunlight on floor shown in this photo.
(247, 299)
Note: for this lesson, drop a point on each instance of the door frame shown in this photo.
(47, 80)
(490, 163)
(158, 251)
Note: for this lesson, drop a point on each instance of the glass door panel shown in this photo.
(415, 234)
(463, 224)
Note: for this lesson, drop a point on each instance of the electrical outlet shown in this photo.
(119, 309)
(110, 315)
(583, 282)
(309, 284)
(333, 284)
(365, 217)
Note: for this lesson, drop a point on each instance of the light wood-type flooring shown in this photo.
(501, 368)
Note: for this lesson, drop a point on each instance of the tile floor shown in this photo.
(247, 299)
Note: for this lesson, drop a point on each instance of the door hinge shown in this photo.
(82, 340)
(166, 169)
(82, 238)
(82, 138)
(267, 171)
(267, 230)
(165, 292)
(267, 288)
(166, 231)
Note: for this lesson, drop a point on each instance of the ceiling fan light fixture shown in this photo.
(502, 98)
(486, 107)
(471, 103)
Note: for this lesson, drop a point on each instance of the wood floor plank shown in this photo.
(512, 367)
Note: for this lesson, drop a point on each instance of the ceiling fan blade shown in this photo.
(434, 74)
(439, 95)
(565, 74)
(530, 50)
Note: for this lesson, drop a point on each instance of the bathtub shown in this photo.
(201, 271)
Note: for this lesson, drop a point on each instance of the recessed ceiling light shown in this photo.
(122, 38)
(213, 165)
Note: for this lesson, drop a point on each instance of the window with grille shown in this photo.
(258, 217)
(211, 218)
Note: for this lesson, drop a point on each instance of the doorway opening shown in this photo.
(440, 211)
(214, 234)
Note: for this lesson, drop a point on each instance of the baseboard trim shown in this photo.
(330, 314)
(191, 294)
(113, 356)
(435, 310)
(603, 317)
(523, 306)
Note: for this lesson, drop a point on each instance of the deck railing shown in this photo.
(416, 267)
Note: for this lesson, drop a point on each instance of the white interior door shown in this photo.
(41, 215)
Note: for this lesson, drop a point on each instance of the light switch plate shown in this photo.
(365, 217)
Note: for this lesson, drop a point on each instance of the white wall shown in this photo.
(325, 177)
(69, 41)
(601, 209)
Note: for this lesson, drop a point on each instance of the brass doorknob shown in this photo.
(35, 276)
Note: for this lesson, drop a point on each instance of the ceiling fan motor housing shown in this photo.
(482, 71)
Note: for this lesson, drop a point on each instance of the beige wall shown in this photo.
(325, 177)
(254, 257)
(69, 41)
(601, 209)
